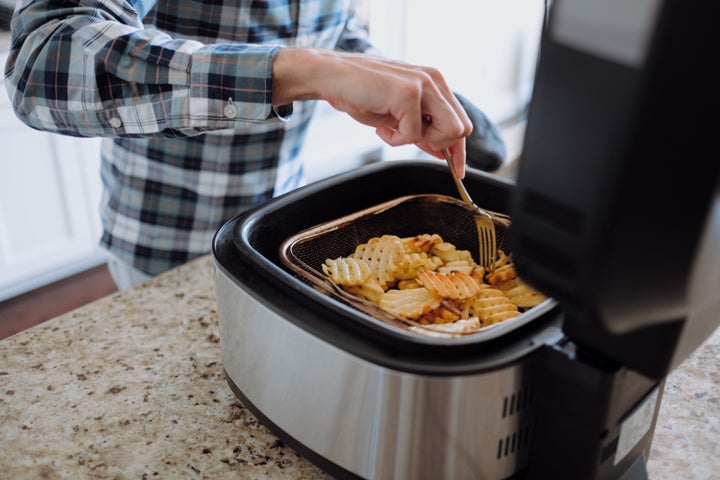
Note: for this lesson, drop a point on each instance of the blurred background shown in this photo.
(487, 50)
(50, 184)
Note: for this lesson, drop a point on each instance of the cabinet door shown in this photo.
(49, 199)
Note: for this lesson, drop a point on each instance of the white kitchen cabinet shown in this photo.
(49, 204)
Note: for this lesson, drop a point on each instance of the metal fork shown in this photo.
(483, 220)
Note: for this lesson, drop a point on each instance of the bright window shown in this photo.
(487, 49)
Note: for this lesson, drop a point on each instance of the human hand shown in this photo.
(406, 104)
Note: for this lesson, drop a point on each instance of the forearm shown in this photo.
(296, 74)
(404, 103)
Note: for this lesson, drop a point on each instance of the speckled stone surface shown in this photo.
(132, 387)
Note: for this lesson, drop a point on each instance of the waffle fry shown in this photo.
(370, 290)
(423, 243)
(383, 255)
(445, 313)
(411, 263)
(524, 296)
(410, 303)
(448, 253)
(508, 285)
(429, 281)
(490, 306)
(468, 325)
(457, 265)
(409, 283)
(456, 285)
(347, 271)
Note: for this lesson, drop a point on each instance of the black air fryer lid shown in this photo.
(616, 207)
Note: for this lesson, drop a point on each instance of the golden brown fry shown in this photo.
(478, 273)
(456, 285)
(445, 313)
(501, 259)
(410, 264)
(448, 253)
(410, 283)
(457, 265)
(508, 285)
(502, 274)
(461, 326)
(423, 243)
(430, 281)
(499, 316)
(528, 301)
(490, 306)
(524, 296)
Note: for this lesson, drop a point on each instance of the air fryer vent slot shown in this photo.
(513, 444)
(518, 402)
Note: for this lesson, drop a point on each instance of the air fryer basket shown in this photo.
(305, 252)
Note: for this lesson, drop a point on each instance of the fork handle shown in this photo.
(460, 186)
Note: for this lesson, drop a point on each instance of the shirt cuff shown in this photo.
(231, 85)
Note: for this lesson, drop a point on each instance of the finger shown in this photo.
(426, 95)
(407, 112)
(386, 134)
(444, 90)
(447, 93)
(458, 147)
(446, 126)
(459, 155)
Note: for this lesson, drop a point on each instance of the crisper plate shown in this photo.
(305, 252)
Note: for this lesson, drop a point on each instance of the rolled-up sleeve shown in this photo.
(90, 68)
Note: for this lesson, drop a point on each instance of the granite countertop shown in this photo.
(132, 386)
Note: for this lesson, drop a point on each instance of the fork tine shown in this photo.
(485, 238)
(491, 248)
(487, 249)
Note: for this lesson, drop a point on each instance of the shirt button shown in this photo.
(115, 122)
(230, 110)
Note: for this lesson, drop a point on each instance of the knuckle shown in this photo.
(433, 72)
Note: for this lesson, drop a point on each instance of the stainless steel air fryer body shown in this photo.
(355, 395)
(368, 419)
(363, 399)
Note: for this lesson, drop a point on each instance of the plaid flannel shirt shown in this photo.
(182, 91)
